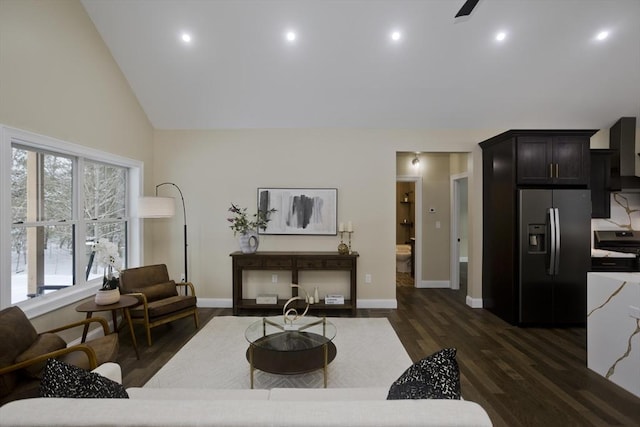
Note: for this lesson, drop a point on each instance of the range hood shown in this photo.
(622, 139)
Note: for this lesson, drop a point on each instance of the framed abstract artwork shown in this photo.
(306, 211)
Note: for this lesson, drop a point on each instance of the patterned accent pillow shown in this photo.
(63, 380)
(434, 377)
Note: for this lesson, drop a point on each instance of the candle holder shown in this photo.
(344, 249)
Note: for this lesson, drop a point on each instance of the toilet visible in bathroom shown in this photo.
(403, 258)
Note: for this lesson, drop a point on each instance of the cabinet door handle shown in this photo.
(550, 170)
(557, 170)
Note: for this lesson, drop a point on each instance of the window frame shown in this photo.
(55, 300)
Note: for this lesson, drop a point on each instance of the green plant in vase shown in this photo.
(240, 223)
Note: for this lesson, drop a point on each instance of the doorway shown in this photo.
(408, 230)
(459, 234)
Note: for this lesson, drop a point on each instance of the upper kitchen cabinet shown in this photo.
(546, 158)
(561, 160)
(601, 182)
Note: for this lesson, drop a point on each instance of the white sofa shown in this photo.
(276, 407)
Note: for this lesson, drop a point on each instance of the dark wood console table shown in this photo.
(294, 262)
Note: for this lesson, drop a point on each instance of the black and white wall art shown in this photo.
(309, 211)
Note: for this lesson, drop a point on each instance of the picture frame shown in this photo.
(300, 211)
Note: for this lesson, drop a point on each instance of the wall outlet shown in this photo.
(182, 278)
(367, 278)
(274, 278)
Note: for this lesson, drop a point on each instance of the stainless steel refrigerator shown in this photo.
(555, 255)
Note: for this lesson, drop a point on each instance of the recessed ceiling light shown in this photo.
(186, 37)
(290, 36)
(602, 35)
(501, 36)
(396, 36)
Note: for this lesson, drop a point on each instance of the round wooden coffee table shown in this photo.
(126, 302)
(280, 348)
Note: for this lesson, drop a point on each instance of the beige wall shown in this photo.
(215, 168)
(58, 79)
(459, 163)
(436, 214)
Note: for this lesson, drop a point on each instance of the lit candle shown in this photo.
(349, 226)
(341, 227)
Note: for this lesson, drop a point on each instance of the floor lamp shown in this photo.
(164, 207)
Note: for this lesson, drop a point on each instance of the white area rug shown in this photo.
(370, 354)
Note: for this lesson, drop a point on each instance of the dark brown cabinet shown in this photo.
(544, 159)
(294, 262)
(513, 161)
(601, 183)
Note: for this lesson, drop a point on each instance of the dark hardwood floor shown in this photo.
(521, 376)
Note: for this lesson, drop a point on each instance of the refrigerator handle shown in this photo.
(557, 266)
(552, 242)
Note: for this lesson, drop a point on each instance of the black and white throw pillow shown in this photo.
(435, 377)
(63, 380)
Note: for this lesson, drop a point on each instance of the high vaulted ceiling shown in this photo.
(344, 70)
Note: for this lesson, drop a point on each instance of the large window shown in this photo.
(105, 209)
(63, 198)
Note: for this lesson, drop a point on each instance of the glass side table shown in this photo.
(285, 348)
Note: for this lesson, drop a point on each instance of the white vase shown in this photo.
(248, 242)
(106, 297)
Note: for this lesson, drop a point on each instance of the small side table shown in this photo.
(126, 302)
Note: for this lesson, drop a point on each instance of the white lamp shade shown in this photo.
(156, 207)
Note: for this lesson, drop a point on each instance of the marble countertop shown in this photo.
(617, 275)
(613, 326)
(601, 253)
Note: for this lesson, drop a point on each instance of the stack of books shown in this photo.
(267, 299)
(334, 299)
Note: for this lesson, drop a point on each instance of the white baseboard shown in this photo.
(362, 303)
(377, 303)
(433, 284)
(474, 302)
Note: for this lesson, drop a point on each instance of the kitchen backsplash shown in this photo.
(625, 213)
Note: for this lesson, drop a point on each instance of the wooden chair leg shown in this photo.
(195, 317)
(148, 335)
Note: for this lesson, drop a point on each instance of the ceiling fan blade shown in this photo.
(467, 7)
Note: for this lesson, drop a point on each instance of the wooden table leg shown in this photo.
(251, 363)
(86, 327)
(114, 316)
(326, 362)
(133, 336)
